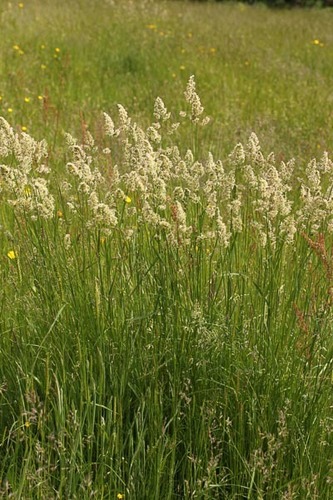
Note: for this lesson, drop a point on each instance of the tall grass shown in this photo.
(151, 348)
(165, 316)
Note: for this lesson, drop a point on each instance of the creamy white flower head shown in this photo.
(313, 175)
(237, 156)
(70, 140)
(180, 214)
(325, 164)
(178, 193)
(234, 209)
(135, 182)
(193, 100)
(153, 135)
(150, 217)
(159, 189)
(209, 187)
(287, 169)
(221, 230)
(211, 205)
(109, 127)
(26, 192)
(160, 111)
(27, 152)
(210, 165)
(7, 138)
(124, 119)
(83, 187)
(205, 121)
(316, 195)
(104, 216)
(189, 158)
(173, 128)
(289, 229)
(253, 149)
(260, 232)
(72, 206)
(197, 169)
(166, 166)
(43, 169)
(250, 177)
(89, 141)
(67, 241)
(81, 166)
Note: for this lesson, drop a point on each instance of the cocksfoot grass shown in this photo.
(166, 328)
(165, 310)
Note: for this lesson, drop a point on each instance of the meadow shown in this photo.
(166, 219)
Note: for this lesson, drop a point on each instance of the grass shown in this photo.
(256, 68)
(165, 324)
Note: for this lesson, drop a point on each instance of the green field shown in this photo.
(166, 280)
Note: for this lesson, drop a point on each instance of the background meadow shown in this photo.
(258, 69)
(166, 300)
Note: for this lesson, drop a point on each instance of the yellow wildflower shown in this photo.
(10, 110)
(27, 99)
(42, 66)
(316, 41)
(128, 199)
(23, 128)
(151, 26)
(21, 52)
(21, 5)
(182, 67)
(120, 496)
(42, 46)
(16, 47)
(27, 190)
(27, 424)
(11, 254)
(60, 214)
(0, 98)
(40, 97)
(57, 50)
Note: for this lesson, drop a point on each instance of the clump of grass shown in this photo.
(165, 316)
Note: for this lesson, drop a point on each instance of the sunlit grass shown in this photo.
(262, 70)
(165, 335)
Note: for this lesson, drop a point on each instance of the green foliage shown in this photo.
(165, 324)
(257, 69)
